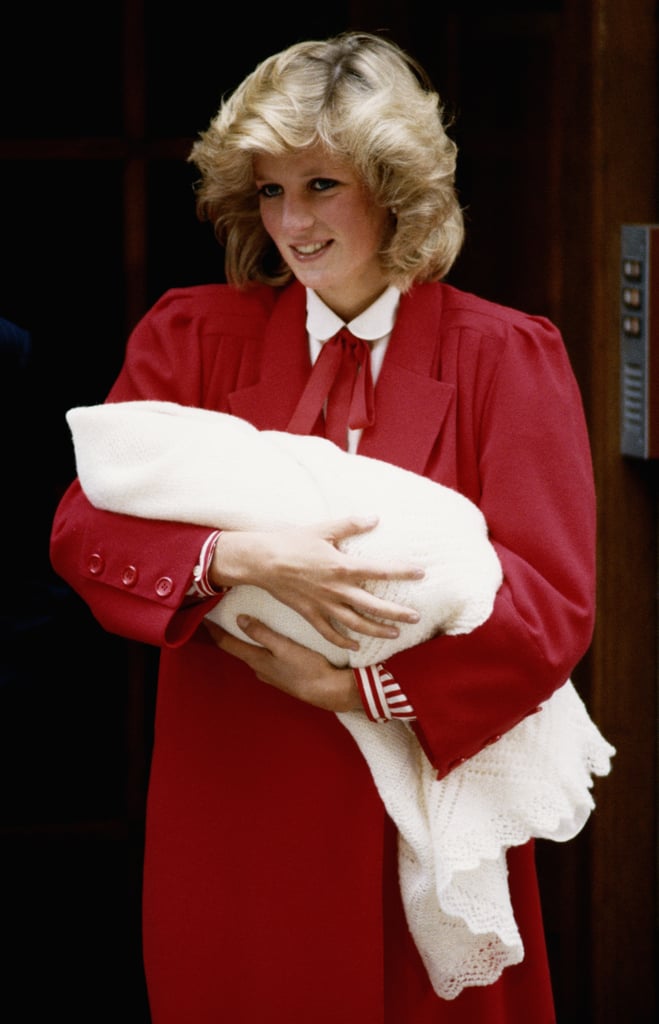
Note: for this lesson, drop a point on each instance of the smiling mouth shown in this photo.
(310, 250)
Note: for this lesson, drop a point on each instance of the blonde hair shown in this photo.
(366, 101)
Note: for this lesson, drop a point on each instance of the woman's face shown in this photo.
(325, 225)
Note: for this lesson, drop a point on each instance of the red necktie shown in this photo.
(341, 376)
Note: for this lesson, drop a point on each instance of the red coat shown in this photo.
(267, 849)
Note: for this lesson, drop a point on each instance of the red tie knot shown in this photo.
(341, 383)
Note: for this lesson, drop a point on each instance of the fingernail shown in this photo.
(243, 621)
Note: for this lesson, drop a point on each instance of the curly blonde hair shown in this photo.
(366, 101)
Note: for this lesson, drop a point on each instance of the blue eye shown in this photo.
(322, 184)
(269, 191)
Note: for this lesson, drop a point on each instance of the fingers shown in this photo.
(339, 529)
(364, 604)
(392, 571)
(259, 632)
(359, 611)
(367, 626)
(264, 640)
(227, 641)
(330, 633)
(342, 529)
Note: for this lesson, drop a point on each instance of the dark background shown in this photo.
(100, 104)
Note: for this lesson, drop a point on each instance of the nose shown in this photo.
(296, 213)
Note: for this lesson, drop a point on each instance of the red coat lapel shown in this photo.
(410, 401)
(284, 366)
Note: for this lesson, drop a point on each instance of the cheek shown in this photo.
(371, 231)
(268, 218)
(371, 220)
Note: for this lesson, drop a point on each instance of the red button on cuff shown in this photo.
(96, 564)
(129, 576)
(164, 586)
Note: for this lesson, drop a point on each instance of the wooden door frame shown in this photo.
(609, 177)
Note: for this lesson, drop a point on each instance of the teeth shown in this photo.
(308, 250)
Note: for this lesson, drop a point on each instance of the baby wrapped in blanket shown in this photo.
(164, 461)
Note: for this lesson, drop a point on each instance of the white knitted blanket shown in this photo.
(166, 461)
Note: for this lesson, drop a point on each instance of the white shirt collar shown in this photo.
(374, 323)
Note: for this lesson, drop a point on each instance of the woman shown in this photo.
(271, 889)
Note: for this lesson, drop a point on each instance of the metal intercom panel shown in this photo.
(639, 340)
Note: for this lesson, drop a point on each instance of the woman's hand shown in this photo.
(304, 568)
(289, 667)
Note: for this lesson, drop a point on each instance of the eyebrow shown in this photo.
(311, 172)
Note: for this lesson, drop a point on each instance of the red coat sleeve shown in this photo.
(134, 573)
(519, 420)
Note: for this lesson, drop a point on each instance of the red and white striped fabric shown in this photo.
(381, 695)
